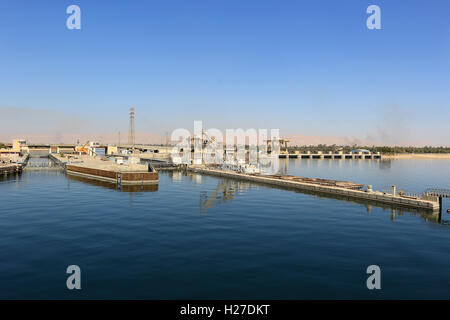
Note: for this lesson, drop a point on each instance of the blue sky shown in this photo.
(306, 67)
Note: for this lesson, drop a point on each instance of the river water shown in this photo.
(197, 236)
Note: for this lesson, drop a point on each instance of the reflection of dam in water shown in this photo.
(38, 162)
(38, 153)
(226, 190)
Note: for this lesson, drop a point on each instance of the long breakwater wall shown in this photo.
(429, 204)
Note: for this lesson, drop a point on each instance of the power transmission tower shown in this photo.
(131, 139)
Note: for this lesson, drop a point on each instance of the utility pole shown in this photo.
(131, 138)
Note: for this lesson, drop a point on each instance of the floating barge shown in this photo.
(325, 186)
(108, 170)
(119, 176)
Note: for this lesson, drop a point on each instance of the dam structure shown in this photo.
(331, 155)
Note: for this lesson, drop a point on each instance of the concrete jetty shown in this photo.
(429, 203)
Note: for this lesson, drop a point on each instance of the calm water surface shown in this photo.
(205, 237)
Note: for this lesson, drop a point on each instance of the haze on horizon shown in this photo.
(309, 68)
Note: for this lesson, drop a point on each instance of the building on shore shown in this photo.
(18, 147)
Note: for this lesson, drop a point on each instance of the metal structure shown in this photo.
(83, 149)
(131, 137)
(440, 193)
(444, 193)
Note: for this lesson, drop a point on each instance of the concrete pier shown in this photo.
(427, 203)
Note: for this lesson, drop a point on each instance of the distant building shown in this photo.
(112, 150)
(18, 146)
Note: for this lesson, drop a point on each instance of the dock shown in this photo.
(329, 187)
(9, 169)
(13, 164)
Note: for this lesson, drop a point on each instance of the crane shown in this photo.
(82, 149)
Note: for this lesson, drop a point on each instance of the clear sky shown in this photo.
(305, 67)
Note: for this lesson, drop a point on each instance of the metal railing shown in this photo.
(438, 192)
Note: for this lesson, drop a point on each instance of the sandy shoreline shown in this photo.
(417, 156)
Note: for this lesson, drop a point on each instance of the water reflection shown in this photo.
(196, 178)
(176, 175)
(41, 163)
(225, 191)
(385, 164)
